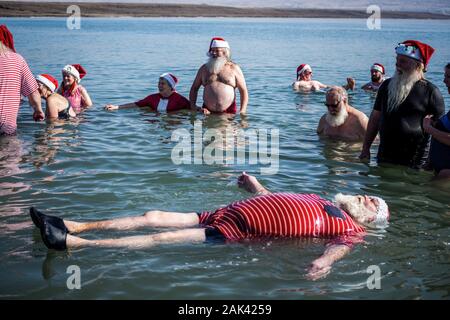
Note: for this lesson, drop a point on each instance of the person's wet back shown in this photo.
(58, 107)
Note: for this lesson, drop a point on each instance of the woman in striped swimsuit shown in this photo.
(265, 215)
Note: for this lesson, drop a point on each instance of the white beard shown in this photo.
(399, 88)
(215, 65)
(353, 207)
(337, 120)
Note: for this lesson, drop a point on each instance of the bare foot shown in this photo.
(249, 183)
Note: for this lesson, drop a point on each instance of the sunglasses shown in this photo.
(332, 105)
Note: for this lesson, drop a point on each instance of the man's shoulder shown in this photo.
(383, 87)
(427, 84)
(233, 65)
(357, 113)
(322, 118)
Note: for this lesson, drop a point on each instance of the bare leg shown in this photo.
(149, 219)
(251, 184)
(141, 242)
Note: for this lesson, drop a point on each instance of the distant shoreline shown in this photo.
(58, 9)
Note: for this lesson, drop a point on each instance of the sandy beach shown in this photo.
(55, 9)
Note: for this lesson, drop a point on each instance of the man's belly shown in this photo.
(218, 96)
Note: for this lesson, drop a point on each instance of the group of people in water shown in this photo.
(407, 111)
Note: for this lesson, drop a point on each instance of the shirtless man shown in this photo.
(220, 77)
(305, 83)
(377, 76)
(342, 121)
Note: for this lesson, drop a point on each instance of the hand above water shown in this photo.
(205, 111)
(319, 269)
(365, 155)
(110, 107)
(428, 123)
(351, 83)
(38, 115)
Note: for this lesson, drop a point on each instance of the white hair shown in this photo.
(337, 120)
(400, 86)
(340, 91)
(354, 208)
(215, 65)
(341, 117)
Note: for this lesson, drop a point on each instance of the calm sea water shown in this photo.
(115, 164)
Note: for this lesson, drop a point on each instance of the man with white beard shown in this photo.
(266, 215)
(220, 77)
(342, 121)
(402, 103)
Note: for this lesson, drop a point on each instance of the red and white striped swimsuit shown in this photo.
(15, 79)
(282, 215)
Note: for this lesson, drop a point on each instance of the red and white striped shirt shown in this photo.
(281, 215)
(15, 79)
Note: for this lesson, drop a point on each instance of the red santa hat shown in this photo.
(416, 50)
(6, 37)
(217, 42)
(378, 67)
(49, 81)
(170, 78)
(75, 70)
(302, 68)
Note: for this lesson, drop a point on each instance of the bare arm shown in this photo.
(321, 266)
(242, 87)
(251, 184)
(371, 133)
(321, 85)
(194, 89)
(86, 98)
(35, 102)
(110, 107)
(363, 122)
(441, 136)
(351, 83)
